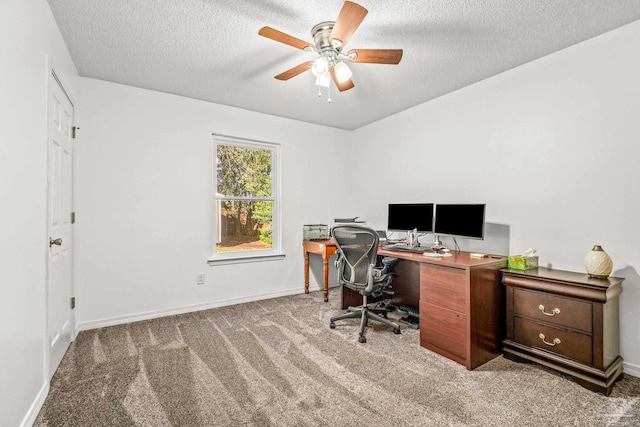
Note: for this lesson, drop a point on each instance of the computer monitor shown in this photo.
(460, 220)
(407, 216)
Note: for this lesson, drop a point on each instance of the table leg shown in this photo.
(306, 272)
(325, 267)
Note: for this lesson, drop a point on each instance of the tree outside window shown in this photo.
(245, 196)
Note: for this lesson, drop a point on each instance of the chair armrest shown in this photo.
(388, 263)
(370, 279)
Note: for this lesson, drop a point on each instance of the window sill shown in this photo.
(245, 259)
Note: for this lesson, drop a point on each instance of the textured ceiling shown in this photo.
(210, 49)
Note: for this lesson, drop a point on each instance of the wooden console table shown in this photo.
(567, 321)
(325, 248)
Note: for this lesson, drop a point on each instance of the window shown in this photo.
(246, 219)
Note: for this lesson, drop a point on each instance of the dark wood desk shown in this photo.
(461, 301)
(325, 248)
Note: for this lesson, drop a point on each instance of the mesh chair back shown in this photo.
(358, 248)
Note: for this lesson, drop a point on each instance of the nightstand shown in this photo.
(566, 321)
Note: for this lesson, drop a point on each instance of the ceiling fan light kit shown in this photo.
(343, 73)
(320, 66)
(324, 80)
(329, 38)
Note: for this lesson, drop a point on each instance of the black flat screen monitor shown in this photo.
(407, 216)
(460, 220)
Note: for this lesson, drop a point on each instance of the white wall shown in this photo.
(551, 147)
(144, 202)
(29, 33)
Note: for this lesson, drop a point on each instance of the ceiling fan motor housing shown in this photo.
(324, 46)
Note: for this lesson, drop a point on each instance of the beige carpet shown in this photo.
(277, 363)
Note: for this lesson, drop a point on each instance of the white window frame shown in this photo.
(275, 253)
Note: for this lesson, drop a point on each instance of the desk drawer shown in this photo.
(565, 343)
(559, 311)
(443, 286)
(445, 330)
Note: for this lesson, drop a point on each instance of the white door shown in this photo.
(60, 180)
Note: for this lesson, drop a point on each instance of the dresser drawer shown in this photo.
(443, 331)
(553, 309)
(443, 286)
(569, 344)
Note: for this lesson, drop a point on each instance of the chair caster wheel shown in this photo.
(396, 331)
(362, 339)
(332, 325)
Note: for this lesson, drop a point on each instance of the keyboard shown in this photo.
(406, 249)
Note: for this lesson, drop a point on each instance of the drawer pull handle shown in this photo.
(550, 344)
(553, 312)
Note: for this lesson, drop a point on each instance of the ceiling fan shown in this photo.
(329, 39)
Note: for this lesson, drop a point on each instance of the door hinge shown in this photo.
(73, 217)
(73, 303)
(73, 131)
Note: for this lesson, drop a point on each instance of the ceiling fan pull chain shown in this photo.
(319, 92)
(329, 94)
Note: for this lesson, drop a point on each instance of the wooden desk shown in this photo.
(461, 300)
(325, 248)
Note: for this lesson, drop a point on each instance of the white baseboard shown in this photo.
(34, 410)
(630, 369)
(119, 320)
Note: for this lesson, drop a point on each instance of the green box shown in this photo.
(523, 262)
(315, 232)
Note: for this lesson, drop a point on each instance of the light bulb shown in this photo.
(343, 73)
(320, 66)
(323, 80)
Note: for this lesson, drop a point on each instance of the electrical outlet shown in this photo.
(200, 279)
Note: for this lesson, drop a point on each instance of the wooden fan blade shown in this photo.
(341, 86)
(348, 21)
(298, 69)
(377, 56)
(279, 36)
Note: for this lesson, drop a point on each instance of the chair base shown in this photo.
(365, 313)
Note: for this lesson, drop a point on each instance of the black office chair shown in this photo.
(357, 251)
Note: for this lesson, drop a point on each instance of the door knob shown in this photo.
(55, 242)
